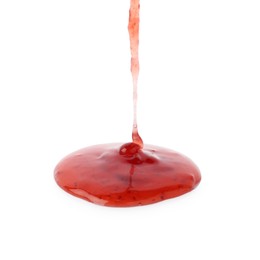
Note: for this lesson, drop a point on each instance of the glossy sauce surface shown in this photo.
(124, 175)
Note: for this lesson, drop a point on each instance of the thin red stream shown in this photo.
(133, 29)
(131, 174)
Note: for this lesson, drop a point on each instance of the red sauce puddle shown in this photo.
(131, 174)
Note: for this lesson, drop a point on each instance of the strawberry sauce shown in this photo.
(130, 174)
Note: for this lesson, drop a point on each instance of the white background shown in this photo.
(65, 84)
